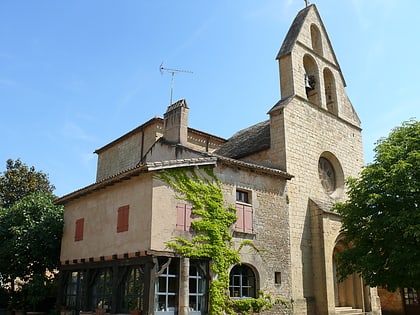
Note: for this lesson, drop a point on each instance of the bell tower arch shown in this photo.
(314, 132)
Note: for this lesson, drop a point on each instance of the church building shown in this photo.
(282, 175)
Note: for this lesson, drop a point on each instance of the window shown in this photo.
(411, 296)
(244, 212)
(102, 290)
(277, 277)
(134, 289)
(311, 80)
(316, 39)
(73, 292)
(78, 235)
(166, 289)
(242, 196)
(122, 221)
(242, 282)
(198, 288)
(330, 91)
(326, 175)
(184, 216)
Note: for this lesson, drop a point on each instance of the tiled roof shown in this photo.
(255, 167)
(247, 141)
(135, 171)
(159, 165)
(206, 159)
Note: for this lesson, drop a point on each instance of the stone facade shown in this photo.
(283, 176)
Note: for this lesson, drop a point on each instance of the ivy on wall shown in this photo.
(212, 237)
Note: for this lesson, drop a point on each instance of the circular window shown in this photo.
(327, 175)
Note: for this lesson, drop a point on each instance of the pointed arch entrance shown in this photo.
(350, 292)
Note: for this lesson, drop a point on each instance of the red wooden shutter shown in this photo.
(180, 218)
(240, 214)
(184, 216)
(188, 217)
(78, 234)
(247, 219)
(122, 221)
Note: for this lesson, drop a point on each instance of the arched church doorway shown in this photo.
(350, 292)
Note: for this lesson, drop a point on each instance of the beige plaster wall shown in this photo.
(164, 216)
(99, 210)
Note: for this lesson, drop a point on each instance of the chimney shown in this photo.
(176, 123)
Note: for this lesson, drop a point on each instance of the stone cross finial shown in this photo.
(307, 2)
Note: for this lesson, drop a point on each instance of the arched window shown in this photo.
(242, 282)
(311, 80)
(316, 39)
(102, 290)
(133, 289)
(330, 91)
(331, 175)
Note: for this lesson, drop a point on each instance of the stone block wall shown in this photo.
(270, 227)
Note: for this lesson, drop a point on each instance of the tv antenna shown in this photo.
(172, 72)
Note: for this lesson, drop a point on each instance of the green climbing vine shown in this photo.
(212, 237)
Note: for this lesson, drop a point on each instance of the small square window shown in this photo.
(242, 196)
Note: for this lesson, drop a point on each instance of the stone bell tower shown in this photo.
(316, 136)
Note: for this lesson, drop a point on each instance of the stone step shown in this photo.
(347, 310)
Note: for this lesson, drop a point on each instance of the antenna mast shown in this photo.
(172, 72)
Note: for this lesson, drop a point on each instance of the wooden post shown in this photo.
(184, 290)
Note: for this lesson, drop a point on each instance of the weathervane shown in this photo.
(172, 72)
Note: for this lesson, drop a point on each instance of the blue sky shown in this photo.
(75, 75)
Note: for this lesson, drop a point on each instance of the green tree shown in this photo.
(30, 238)
(30, 231)
(19, 181)
(381, 218)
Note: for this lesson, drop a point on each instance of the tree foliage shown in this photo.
(212, 238)
(19, 181)
(381, 218)
(30, 230)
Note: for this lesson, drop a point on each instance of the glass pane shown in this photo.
(193, 285)
(162, 284)
(161, 303)
(172, 285)
(171, 301)
(193, 303)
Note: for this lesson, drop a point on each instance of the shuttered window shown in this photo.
(244, 222)
(244, 212)
(122, 221)
(78, 235)
(184, 216)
